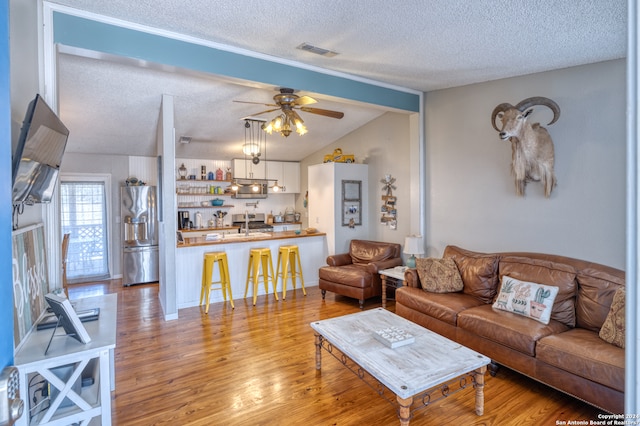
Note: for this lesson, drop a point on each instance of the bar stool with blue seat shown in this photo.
(260, 258)
(224, 284)
(289, 260)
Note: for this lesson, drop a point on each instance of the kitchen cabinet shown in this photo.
(286, 173)
(329, 205)
(245, 169)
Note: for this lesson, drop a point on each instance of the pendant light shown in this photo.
(254, 147)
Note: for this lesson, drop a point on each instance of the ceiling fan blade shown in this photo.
(325, 112)
(305, 100)
(256, 103)
(264, 112)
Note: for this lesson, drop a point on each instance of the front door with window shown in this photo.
(83, 215)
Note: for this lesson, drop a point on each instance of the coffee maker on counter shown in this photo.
(183, 219)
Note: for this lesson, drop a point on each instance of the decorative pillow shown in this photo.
(550, 273)
(439, 275)
(527, 299)
(613, 329)
(479, 272)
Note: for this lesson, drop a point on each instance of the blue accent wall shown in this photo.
(6, 288)
(98, 36)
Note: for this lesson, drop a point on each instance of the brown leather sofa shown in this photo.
(566, 354)
(355, 274)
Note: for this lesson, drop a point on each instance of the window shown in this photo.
(83, 214)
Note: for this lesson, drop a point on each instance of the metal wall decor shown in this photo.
(351, 203)
(388, 209)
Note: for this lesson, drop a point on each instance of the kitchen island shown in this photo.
(190, 254)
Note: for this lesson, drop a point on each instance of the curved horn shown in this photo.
(500, 108)
(540, 100)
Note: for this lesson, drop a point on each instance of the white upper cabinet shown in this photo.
(245, 169)
(291, 176)
(287, 174)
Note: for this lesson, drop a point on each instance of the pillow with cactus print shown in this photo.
(524, 298)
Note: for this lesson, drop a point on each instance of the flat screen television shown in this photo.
(38, 154)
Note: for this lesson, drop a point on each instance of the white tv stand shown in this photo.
(93, 401)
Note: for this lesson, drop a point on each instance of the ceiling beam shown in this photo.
(81, 32)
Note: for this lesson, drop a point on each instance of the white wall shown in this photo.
(24, 80)
(471, 199)
(383, 144)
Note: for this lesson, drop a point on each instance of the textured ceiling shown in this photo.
(418, 44)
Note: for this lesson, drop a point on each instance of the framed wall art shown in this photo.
(351, 203)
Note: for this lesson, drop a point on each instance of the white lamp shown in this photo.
(413, 246)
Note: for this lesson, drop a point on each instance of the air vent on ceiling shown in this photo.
(317, 50)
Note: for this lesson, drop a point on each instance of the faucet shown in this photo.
(246, 223)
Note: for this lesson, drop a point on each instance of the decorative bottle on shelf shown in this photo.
(198, 222)
(219, 174)
(229, 176)
(182, 171)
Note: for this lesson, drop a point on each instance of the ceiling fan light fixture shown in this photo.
(234, 185)
(279, 122)
(275, 187)
(288, 119)
(300, 127)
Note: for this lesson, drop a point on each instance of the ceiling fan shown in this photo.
(288, 102)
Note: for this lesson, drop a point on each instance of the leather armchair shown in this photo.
(355, 274)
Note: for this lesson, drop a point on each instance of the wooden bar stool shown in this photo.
(210, 259)
(260, 257)
(288, 258)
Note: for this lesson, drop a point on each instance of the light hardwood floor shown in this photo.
(256, 366)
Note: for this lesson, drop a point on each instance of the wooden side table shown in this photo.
(393, 278)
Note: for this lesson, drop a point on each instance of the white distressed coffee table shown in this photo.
(414, 372)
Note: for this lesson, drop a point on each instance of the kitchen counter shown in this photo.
(190, 255)
(242, 238)
(205, 230)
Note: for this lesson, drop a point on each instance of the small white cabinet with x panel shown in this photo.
(77, 378)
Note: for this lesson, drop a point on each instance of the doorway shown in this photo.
(84, 213)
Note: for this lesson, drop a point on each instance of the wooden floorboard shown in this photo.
(256, 366)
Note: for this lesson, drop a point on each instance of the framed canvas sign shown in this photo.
(351, 203)
(30, 282)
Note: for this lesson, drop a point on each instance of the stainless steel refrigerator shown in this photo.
(139, 235)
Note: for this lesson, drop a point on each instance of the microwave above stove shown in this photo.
(246, 189)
